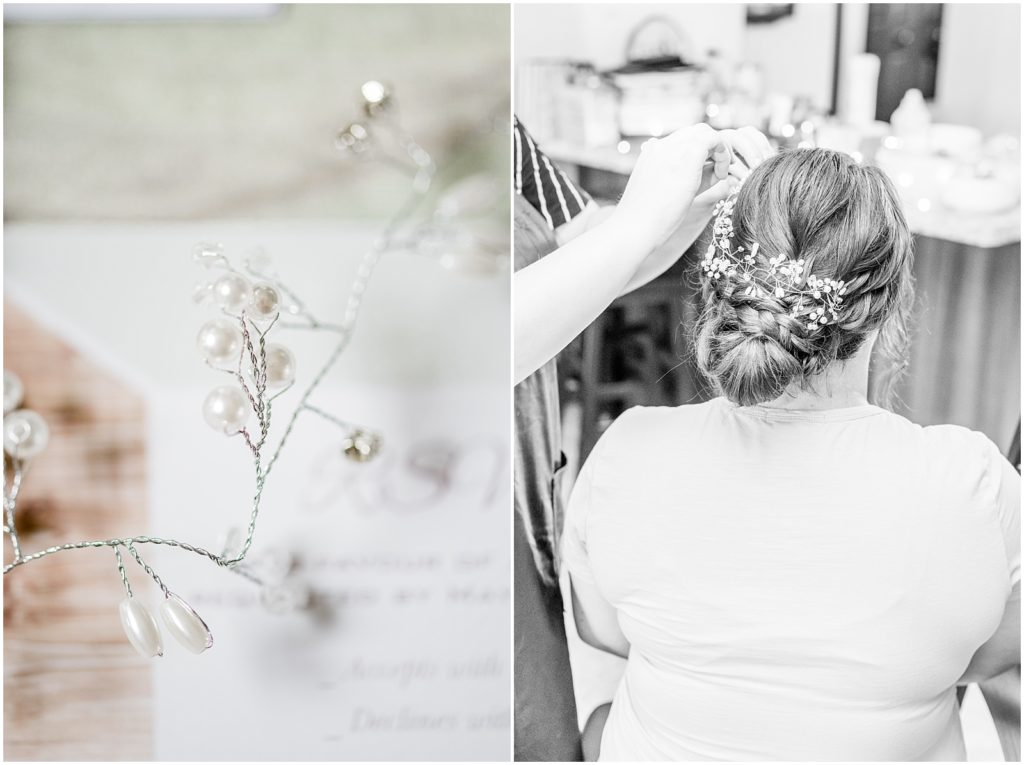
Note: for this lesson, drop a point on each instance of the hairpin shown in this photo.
(252, 305)
(783, 275)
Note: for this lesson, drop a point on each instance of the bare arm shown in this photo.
(593, 215)
(1001, 651)
(559, 295)
(749, 149)
(597, 622)
(661, 258)
(609, 251)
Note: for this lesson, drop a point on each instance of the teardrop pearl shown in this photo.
(232, 292)
(226, 409)
(140, 627)
(265, 301)
(219, 341)
(26, 434)
(280, 366)
(185, 625)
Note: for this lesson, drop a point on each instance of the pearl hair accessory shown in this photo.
(784, 275)
(251, 303)
(466, 229)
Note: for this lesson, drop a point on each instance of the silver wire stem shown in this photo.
(261, 405)
(10, 500)
(147, 569)
(122, 572)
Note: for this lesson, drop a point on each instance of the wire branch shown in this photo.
(257, 398)
(122, 572)
(10, 500)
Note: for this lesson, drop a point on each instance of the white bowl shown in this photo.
(981, 196)
(954, 140)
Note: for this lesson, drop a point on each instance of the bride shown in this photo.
(793, 572)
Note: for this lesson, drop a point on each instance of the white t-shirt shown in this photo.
(794, 584)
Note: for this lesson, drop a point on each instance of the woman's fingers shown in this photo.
(719, 191)
(706, 143)
(750, 144)
(731, 152)
(760, 141)
(743, 147)
(701, 140)
(722, 157)
(696, 145)
(738, 170)
(669, 173)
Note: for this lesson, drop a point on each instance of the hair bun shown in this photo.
(809, 257)
(752, 351)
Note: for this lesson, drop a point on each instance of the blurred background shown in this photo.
(211, 111)
(133, 132)
(928, 92)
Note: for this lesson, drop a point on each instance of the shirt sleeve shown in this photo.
(542, 183)
(586, 493)
(1001, 492)
(575, 557)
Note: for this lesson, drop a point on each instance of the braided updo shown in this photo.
(844, 220)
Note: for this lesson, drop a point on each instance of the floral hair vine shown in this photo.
(237, 343)
(784, 275)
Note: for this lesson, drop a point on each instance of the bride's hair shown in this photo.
(844, 220)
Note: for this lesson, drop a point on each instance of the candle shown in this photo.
(860, 89)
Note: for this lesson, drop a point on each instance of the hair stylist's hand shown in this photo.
(667, 178)
(749, 149)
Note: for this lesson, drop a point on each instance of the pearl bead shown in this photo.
(355, 139)
(232, 292)
(26, 434)
(185, 625)
(219, 341)
(14, 392)
(265, 301)
(376, 97)
(361, 446)
(226, 409)
(140, 627)
(280, 366)
(208, 255)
